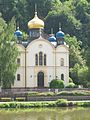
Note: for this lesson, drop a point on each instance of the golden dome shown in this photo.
(35, 22)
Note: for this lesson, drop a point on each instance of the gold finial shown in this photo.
(35, 7)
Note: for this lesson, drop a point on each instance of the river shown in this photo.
(46, 114)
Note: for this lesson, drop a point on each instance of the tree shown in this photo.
(75, 51)
(8, 54)
(82, 75)
(63, 13)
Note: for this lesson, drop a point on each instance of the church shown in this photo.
(42, 58)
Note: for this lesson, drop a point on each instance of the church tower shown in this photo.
(35, 26)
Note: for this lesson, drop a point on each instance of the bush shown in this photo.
(61, 103)
(57, 84)
(88, 84)
(33, 93)
(70, 80)
(73, 93)
(71, 85)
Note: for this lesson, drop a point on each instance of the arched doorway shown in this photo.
(40, 79)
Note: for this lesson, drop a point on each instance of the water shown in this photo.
(46, 114)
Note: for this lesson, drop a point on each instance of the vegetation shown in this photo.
(8, 53)
(74, 16)
(58, 103)
(57, 84)
(71, 85)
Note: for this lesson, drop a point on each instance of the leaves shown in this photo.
(8, 55)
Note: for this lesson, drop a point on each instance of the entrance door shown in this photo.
(40, 79)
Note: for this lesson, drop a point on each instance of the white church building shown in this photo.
(41, 58)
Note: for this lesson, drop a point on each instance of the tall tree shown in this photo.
(8, 54)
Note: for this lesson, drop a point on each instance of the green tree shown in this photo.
(8, 54)
(75, 51)
(82, 75)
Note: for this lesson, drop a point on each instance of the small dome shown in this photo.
(52, 39)
(35, 22)
(60, 34)
(18, 33)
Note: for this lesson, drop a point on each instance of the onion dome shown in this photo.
(52, 38)
(60, 34)
(18, 33)
(35, 22)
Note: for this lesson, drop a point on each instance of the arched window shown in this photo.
(62, 76)
(36, 59)
(62, 62)
(44, 59)
(40, 58)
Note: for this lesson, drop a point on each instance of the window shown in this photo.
(44, 59)
(62, 62)
(34, 33)
(18, 61)
(62, 76)
(18, 77)
(36, 59)
(40, 58)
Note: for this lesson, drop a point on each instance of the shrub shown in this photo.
(71, 85)
(20, 99)
(57, 84)
(5, 99)
(70, 80)
(70, 104)
(33, 93)
(88, 84)
(61, 103)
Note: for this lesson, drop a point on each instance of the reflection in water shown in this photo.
(67, 117)
(46, 114)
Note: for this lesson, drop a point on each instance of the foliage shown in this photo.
(83, 74)
(71, 85)
(70, 80)
(61, 103)
(75, 51)
(8, 55)
(33, 93)
(58, 103)
(57, 84)
(88, 84)
(74, 93)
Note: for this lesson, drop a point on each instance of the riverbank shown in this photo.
(58, 103)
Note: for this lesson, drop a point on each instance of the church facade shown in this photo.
(41, 59)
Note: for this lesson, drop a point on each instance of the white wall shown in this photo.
(62, 52)
(36, 46)
(51, 70)
(21, 69)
